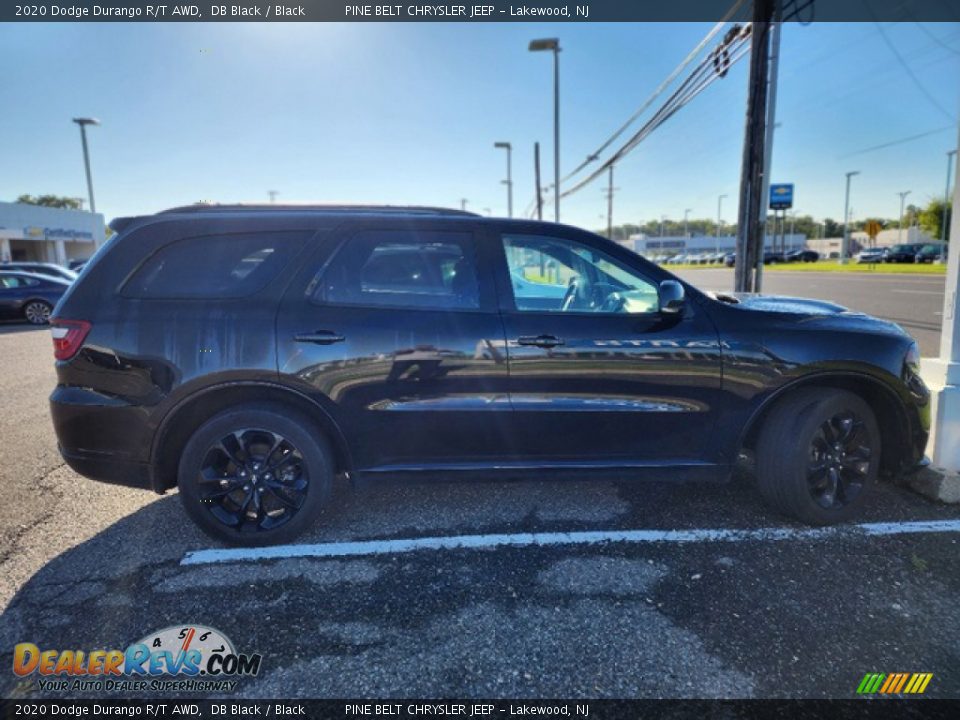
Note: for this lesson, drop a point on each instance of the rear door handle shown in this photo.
(319, 337)
(544, 341)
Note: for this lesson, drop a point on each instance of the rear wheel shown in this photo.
(819, 455)
(255, 475)
(37, 312)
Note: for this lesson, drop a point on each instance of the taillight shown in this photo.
(68, 336)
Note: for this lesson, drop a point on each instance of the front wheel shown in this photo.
(37, 312)
(819, 455)
(255, 475)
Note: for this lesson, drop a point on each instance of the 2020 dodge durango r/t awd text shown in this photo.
(247, 355)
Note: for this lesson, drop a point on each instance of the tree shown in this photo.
(931, 219)
(54, 201)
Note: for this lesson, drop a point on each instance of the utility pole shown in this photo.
(946, 198)
(273, 195)
(609, 194)
(903, 196)
(716, 243)
(536, 174)
(845, 245)
(83, 122)
(509, 181)
(686, 222)
(749, 227)
(463, 203)
(662, 218)
(772, 125)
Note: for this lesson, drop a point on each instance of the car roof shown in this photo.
(331, 210)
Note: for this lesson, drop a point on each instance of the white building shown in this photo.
(648, 245)
(894, 236)
(44, 234)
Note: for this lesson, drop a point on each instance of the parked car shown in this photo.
(730, 259)
(904, 253)
(801, 255)
(77, 264)
(29, 296)
(772, 257)
(42, 268)
(871, 255)
(299, 355)
(931, 253)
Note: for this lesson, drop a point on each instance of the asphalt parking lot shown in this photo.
(915, 302)
(787, 614)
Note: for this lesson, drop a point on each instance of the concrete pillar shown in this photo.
(60, 251)
(5, 255)
(942, 374)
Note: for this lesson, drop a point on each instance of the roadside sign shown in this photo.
(872, 228)
(781, 196)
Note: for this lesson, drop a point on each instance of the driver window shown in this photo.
(557, 275)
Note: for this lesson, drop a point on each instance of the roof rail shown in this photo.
(333, 208)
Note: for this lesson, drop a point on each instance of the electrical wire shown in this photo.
(916, 80)
(708, 72)
(657, 92)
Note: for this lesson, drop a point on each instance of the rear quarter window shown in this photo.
(215, 266)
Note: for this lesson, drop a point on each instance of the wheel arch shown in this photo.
(889, 410)
(179, 424)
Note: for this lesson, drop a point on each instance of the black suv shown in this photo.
(904, 253)
(249, 355)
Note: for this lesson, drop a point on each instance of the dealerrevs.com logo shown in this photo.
(178, 658)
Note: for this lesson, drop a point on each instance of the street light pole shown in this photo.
(686, 222)
(946, 198)
(845, 246)
(463, 203)
(83, 122)
(903, 196)
(554, 45)
(509, 181)
(719, 206)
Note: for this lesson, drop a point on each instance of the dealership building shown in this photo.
(45, 234)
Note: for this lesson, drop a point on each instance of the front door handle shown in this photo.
(319, 337)
(544, 341)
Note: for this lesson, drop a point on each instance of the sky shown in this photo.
(407, 113)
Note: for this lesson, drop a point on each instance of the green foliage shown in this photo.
(54, 201)
(930, 218)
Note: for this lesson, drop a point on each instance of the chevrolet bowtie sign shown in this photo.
(781, 196)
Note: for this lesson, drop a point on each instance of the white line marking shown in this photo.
(474, 542)
(917, 292)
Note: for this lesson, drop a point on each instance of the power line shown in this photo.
(714, 67)
(659, 90)
(936, 39)
(899, 141)
(916, 80)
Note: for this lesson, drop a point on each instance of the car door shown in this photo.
(13, 290)
(398, 337)
(598, 371)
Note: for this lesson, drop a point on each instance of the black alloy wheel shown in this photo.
(256, 474)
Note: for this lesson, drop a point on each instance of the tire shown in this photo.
(795, 442)
(37, 312)
(228, 471)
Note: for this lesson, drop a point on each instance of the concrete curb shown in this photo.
(936, 484)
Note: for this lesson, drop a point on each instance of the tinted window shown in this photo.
(215, 266)
(403, 269)
(14, 281)
(560, 275)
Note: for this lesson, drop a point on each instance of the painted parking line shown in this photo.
(479, 542)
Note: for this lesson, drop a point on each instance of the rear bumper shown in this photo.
(109, 469)
(101, 437)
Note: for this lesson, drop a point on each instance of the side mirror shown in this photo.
(671, 297)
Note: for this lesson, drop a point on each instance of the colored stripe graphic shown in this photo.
(894, 683)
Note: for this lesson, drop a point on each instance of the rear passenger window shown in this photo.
(215, 266)
(403, 269)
